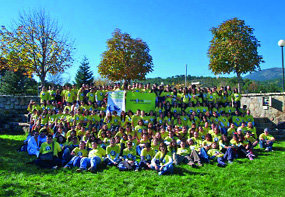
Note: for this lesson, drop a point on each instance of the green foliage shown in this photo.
(84, 75)
(16, 83)
(36, 45)
(263, 176)
(250, 86)
(125, 59)
(233, 48)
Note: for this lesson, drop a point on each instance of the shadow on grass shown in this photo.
(13, 161)
(183, 172)
(9, 189)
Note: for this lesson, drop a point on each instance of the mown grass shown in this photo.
(262, 177)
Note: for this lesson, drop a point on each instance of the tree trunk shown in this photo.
(42, 78)
(240, 82)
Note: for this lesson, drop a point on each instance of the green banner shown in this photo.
(142, 101)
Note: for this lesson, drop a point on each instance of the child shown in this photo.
(162, 162)
(113, 151)
(215, 154)
(146, 156)
(95, 157)
(129, 162)
(78, 153)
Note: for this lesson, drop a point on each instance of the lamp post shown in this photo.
(281, 43)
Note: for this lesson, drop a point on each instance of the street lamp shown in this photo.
(281, 43)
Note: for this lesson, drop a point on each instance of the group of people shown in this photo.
(191, 125)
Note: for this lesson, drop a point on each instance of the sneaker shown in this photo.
(267, 149)
(79, 170)
(136, 170)
(55, 167)
(230, 162)
(160, 173)
(250, 157)
(199, 164)
(220, 165)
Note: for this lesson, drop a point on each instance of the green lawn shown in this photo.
(262, 177)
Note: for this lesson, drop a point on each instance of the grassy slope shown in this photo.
(261, 177)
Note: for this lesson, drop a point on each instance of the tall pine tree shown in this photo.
(84, 75)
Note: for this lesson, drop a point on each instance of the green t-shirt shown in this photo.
(47, 148)
(79, 152)
(148, 155)
(113, 151)
(183, 151)
(99, 152)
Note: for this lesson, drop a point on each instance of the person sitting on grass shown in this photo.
(162, 162)
(266, 140)
(217, 155)
(33, 147)
(112, 151)
(252, 142)
(48, 155)
(146, 156)
(129, 162)
(183, 155)
(95, 157)
(78, 153)
(238, 145)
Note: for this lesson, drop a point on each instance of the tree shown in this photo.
(234, 49)
(125, 59)
(35, 45)
(84, 75)
(14, 83)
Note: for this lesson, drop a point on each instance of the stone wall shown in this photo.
(13, 113)
(267, 108)
(15, 104)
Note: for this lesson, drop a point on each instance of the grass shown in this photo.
(262, 177)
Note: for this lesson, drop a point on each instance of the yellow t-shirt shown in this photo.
(99, 152)
(47, 148)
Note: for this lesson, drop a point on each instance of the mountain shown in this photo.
(266, 74)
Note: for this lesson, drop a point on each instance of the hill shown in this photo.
(266, 74)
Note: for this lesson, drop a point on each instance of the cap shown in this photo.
(266, 130)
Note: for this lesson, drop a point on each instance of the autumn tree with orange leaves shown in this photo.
(233, 48)
(125, 59)
(35, 45)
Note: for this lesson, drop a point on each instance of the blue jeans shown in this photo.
(74, 162)
(165, 169)
(229, 155)
(264, 144)
(92, 162)
(203, 155)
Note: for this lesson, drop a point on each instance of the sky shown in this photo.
(177, 32)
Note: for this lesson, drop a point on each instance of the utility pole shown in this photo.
(186, 75)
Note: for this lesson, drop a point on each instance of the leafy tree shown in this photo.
(233, 48)
(35, 45)
(125, 59)
(14, 83)
(84, 75)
